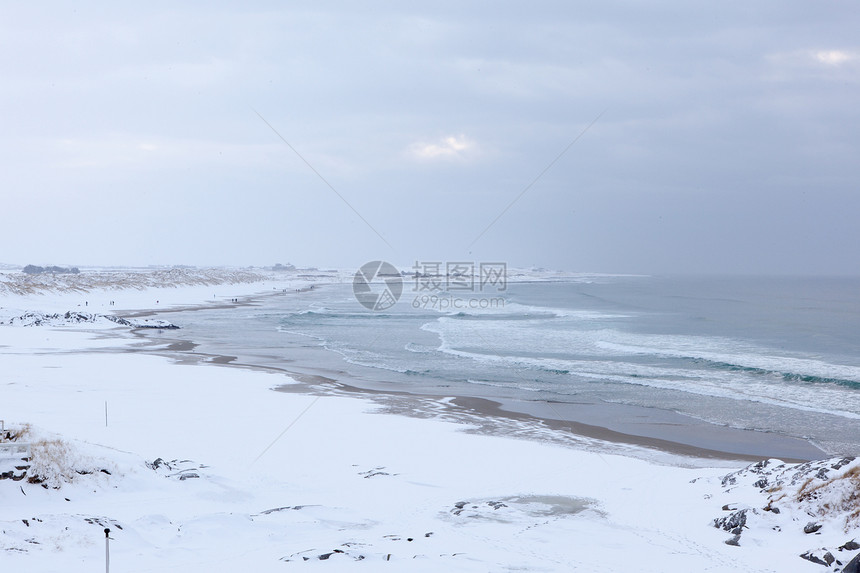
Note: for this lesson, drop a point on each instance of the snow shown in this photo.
(137, 290)
(289, 479)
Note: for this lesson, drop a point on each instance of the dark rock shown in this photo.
(761, 484)
(841, 463)
(849, 546)
(819, 556)
(156, 324)
(736, 520)
(853, 565)
(734, 540)
(811, 527)
(275, 509)
(157, 463)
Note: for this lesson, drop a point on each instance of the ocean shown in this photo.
(776, 355)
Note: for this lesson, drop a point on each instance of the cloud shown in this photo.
(835, 57)
(447, 147)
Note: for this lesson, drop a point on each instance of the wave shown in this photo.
(698, 377)
(517, 311)
(735, 356)
(420, 348)
(539, 338)
(787, 376)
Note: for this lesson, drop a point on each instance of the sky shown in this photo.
(706, 138)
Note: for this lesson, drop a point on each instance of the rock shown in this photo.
(849, 546)
(276, 509)
(811, 527)
(157, 463)
(734, 540)
(145, 323)
(853, 565)
(842, 462)
(733, 522)
(820, 556)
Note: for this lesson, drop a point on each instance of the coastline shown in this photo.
(200, 467)
(653, 429)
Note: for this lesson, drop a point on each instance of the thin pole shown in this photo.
(107, 550)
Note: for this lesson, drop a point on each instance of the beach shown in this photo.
(198, 461)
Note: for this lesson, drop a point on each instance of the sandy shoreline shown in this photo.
(642, 427)
(201, 469)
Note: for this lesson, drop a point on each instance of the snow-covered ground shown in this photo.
(198, 467)
(116, 291)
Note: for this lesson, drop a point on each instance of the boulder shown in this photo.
(853, 565)
(811, 527)
(820, 556)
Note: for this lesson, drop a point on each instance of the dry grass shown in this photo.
(15, 433)
(21, 284)
(839, 495)
(52, 463)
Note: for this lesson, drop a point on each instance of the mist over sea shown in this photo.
(772, 354)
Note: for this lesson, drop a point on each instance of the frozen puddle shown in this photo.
(519, 508)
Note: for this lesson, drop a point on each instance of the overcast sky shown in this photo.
(729, 139)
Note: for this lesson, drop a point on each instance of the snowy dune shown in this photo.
(197, 467)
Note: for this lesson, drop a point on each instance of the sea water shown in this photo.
(770, 354)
